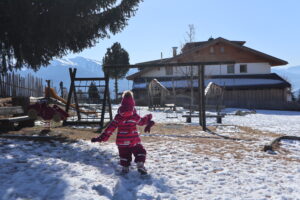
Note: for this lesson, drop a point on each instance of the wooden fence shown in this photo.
(13, 85)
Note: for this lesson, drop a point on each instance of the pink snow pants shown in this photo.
(125, 154)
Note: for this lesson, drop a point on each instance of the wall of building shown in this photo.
(269, 98)
(259, 98)
(252, 68)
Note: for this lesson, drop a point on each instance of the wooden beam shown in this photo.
(201, 101)
(48, 86)
(72, 77)
(76, 104)
(109, 103)
(106, 93)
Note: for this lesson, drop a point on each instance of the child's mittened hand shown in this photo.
(148, 127)
(104, 138)
(149, 117)
(96, 139)
(101, 138)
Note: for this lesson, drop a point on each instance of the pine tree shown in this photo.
(116, 55)
(93, 93)
(32, 32)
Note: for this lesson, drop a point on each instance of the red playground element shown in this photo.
(46, 112)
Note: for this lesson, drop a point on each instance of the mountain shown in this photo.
(291, 74)
(58, 70)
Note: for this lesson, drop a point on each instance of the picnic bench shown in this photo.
(190, 116)
(171, 106)
(171, 111)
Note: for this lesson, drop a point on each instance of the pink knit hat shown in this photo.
(127, 104)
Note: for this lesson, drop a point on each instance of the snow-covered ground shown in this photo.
(180, 168)
(282, 122)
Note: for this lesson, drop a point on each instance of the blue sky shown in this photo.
(270, 26)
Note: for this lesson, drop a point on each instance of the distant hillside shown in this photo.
(58, 70)
(292, 74)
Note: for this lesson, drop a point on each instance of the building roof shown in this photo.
(190, 45)
(190, 48)
(142, 71)
(228, 82)
(272, 60)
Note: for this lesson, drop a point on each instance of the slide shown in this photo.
(50, 92)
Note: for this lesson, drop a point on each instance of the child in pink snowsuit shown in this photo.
(128, 139)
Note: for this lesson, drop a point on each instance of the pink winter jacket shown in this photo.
(128, 135)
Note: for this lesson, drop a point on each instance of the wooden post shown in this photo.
(73, 90)
(61, 85)
(47, 95)
(109, 100)
(201, 103)
(72, 77)
(104, 100)
(76, 103)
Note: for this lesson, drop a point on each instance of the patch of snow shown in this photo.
(84, 170)
(64, 62)
(292, 146)
(282, 122)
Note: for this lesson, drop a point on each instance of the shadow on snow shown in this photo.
(30, 170)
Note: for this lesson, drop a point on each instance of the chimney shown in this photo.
(174, 51)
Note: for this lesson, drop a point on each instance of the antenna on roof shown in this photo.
(174, 51)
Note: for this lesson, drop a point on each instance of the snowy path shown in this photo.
(84, 170)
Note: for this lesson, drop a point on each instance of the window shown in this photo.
(243, 68)
(169, 70)
(222, 49)
(211, 50)
(230, 69)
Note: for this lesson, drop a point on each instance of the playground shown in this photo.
(53, 158)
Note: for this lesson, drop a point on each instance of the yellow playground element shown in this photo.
(50, 92)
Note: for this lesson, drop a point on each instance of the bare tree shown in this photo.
(189, 70)
(190, 33)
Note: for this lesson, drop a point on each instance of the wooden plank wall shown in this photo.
(259, 98)
(251, 99)
(13, 85)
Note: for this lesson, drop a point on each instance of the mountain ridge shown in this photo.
(291, 74)
(58, 70)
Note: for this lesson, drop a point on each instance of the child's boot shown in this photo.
(125, 170)
(141, 168)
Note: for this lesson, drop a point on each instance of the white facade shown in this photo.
(211, 70)
(252, 68)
